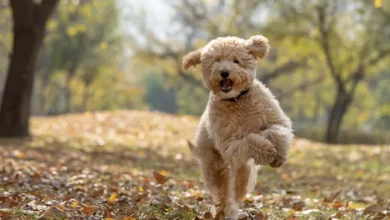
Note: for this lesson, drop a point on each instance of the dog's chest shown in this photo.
(235, 123)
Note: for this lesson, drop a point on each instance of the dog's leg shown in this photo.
(216, 175)
(217, 180)
(281, 137)
(245, 180)
(255, 146)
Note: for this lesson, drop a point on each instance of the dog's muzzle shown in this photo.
(226, 85)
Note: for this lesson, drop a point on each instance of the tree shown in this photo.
(29, 22)
(351, 35)
(199, 22)
(5, 36)
(85, 38)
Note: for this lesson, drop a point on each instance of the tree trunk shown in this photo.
(68, 92)
(85, 98)
(15, 108)
(29, 21)
(343, 100)
(317, 107)
(67, 96)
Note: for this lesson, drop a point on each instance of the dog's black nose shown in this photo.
(224, 73)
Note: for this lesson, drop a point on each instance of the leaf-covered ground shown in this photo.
(137, 165)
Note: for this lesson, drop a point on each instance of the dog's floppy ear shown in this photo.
(258, 46)
(191, 59)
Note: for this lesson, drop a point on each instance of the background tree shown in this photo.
(104, 55)
(347, 34)
(29, 22)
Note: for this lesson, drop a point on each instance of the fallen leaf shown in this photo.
(5, 212)
(5, 204)
(75, 203)
(372, 209)
(19, 154)
(160, 178)
(112, 198)
(309, 211)
(261, 216)
(49, 214)
(164, 172)
(332, 196)
(298, 206)
(141, 189)
(89, 209)
(337, 215)
(61, 206)
(337, 204)
(207, 215)
(190, 185)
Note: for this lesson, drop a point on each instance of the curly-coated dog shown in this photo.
(243, 124)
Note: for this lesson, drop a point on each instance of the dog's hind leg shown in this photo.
(217, 180)
(245, 180)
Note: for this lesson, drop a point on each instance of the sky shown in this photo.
(157, 12)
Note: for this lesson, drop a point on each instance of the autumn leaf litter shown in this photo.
(138, 165)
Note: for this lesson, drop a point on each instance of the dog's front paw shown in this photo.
(264, 152)
(234, 157)
(279, 161)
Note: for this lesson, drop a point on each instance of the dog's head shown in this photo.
(228, 63)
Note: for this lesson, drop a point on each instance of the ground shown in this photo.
(137, 165)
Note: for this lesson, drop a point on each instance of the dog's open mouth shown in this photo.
(226, 85)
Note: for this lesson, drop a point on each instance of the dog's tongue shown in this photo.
(226, 84)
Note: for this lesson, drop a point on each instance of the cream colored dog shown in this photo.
(242, 120)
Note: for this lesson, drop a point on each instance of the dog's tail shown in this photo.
(192, 148)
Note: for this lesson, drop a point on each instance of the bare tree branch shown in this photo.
(4, 5)
(385, 13)
(191, 79)
(324, 39)
(381, 55)
(285, 69)
(301, 87)
(358, 75)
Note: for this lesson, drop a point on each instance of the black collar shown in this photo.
(235, 99)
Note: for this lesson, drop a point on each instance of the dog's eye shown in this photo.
(236, 61)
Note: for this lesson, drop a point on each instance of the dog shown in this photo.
(243, 124)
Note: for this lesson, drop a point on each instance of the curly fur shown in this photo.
(233, 137)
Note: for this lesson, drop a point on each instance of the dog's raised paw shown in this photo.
(264, 152)
(278, 162)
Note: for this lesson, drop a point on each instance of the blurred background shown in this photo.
(102, 115)
(329, 65)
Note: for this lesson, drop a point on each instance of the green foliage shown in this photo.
(381, 109)
(5, 41)
(82, 56)
(157, 96)
(307, 92)
(88, 55)
(191, 99)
